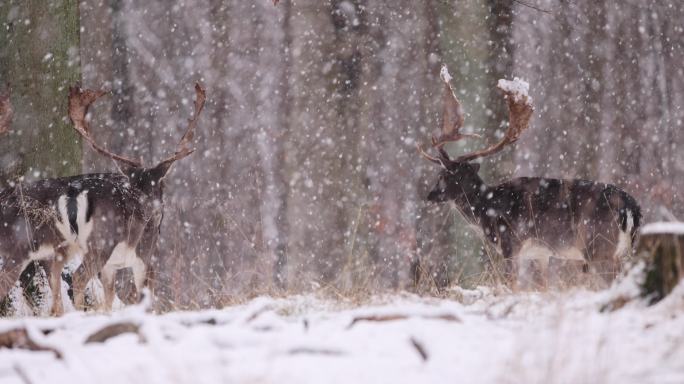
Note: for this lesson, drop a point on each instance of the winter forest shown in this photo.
(300, 227)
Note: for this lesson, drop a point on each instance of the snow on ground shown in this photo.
(480, 338)
(669, 227)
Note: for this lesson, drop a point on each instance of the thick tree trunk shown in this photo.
(39, 59)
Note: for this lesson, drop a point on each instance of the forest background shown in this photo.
(306, 174)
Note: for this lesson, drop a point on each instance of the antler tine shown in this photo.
(6, 112)
(79, 102)
(520, 111)
(183, 149)
(427, 156)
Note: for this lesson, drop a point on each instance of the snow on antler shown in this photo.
(444, 74)
(517, 87)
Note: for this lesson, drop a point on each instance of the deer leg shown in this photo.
(122, 255)
(108, 277)
(83, 274)
(139, 276)
(56, 267)
(151, 279)
(508, 252)
(8, 277)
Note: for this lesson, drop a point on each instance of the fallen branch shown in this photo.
(206, 321)
(114, 330)
(395, 317)
(20, 339)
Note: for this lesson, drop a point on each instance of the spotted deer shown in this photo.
(532, 217)
(110, 219)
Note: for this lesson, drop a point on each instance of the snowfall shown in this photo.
(473, 336)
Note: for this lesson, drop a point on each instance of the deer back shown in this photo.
(559, 214)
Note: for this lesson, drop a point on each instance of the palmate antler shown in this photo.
(452, 121)
(6, 112)
(80, 100)
(519, 112)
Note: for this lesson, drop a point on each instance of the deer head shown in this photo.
(146, 179)
(459, 177)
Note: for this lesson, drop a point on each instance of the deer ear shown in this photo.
(159, 172)
(476, 167)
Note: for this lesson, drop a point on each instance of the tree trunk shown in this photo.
(39, 59)
(661, 246)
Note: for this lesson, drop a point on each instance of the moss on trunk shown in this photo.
(39, 58)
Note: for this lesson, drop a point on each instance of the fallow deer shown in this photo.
(592, 222)
(110, 219)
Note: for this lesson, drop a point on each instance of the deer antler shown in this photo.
(519, 114)
(452, 121)
(79, 102)
(6, 112)
(183, 149)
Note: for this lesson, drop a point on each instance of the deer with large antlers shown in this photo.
(111, 219)
(530, 217)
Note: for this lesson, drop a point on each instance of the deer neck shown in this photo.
(472, 199)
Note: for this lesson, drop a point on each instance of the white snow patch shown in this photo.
(673, 227)
(523, 337)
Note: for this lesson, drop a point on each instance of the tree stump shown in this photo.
(661, 246)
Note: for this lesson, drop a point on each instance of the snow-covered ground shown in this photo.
(477, 337)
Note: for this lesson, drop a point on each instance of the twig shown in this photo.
(395, 317)
(21, 372)
(420, 349)
(528, 5)
(258, 313)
